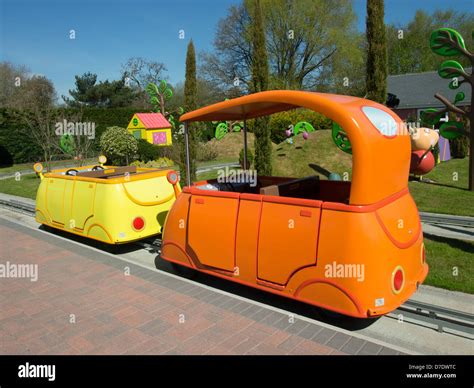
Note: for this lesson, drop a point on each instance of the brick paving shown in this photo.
(84, 303)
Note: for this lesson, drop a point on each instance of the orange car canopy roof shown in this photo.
(380, 143)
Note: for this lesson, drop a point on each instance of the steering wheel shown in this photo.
(72, 171)
(96, 168)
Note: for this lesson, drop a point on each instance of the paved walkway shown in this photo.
(85, 303)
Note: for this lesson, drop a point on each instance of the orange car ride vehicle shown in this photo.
(353, 247)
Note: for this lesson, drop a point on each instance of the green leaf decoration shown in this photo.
(451, 130)
(340, 138)
(168, 93)
(236, 128)
(152, 89)
(66, 143)
(154, 100)
(303, 126)
(429, 116)
(446, 42)
(450, 69)
(180, 110)
(221, 130)
(454, 84)
(163, 85)
(459, 97)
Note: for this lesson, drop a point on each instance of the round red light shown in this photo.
(138, 223)
(398, 280)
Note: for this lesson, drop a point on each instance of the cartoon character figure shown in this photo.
(423, 140)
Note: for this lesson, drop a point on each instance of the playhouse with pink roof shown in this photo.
(153, 127)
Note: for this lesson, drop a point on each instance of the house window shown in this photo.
(159, 138)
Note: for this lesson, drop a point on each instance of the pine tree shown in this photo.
(190, 103)
(259, 82)
(377, 65)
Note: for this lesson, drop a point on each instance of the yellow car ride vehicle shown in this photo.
(114, 205)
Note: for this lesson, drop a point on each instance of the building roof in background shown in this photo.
(153, 120)
(417, 90)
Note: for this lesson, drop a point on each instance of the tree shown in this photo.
(32, 102)
(159, 96)
(190, 103)
(35, 109)
(143, 72)
(207, 93)
(79, 145)
(305, 48)
(407, 48)
(447, 42)
(376, 81)
(259, 82)
(12, 78)
(84, 94)
(108, 94)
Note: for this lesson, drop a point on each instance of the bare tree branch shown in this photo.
(450, 106)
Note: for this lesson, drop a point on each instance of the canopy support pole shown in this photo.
(188, 163)
(245, 144)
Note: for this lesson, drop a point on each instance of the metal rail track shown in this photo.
(440, 317)
(18, 206)
(427, 218)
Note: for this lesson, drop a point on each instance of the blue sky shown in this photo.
(36, 32)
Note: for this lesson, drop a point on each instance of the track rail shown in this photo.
(18, 206)
(440, 317)
(430, 218)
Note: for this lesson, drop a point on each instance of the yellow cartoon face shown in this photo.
(423, 139)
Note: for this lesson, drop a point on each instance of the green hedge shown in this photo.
(17, 147)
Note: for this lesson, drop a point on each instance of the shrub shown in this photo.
(147, 151)
(6, 159)
(459, 147)
(435, 152)
(158, 163)
(118, 145)
(206, 152)
(249, 158)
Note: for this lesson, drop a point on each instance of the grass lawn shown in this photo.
(444, 255)
(316, 156)
(219, 160)
(25, 187)
(449, 194)
(207, 175)
(230, 145)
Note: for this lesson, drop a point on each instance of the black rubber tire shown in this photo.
(184, 271)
